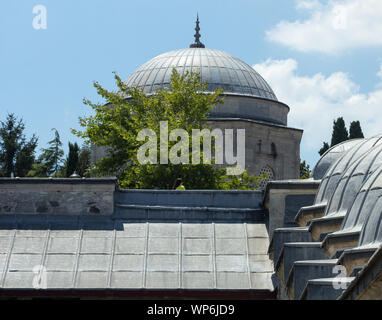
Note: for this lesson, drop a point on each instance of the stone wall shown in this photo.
(57, 196)
(236, 106)
(283, 158)
(192, 198)
(283, 199)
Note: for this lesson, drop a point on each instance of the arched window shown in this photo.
(268, 171)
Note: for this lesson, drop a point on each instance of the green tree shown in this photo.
(38, 169)
(304, 170)
(355, 130)
(16, 152)
(324, 148)
(340, 132)
(116, 124)
(83, 165)
(52, 157)
(71, 164)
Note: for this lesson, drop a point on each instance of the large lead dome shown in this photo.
(217, 68)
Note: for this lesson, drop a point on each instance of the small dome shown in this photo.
(217, 68)
(333, 174)
(331, 156)
(366, 212)
(372, 231)
(352, 180)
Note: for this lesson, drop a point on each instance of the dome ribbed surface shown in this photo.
(217, 68)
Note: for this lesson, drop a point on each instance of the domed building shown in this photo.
(249, 103)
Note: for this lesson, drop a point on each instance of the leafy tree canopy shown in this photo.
(304, 170)
(116, 124)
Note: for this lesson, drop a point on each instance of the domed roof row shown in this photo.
(335, 171)
(348, 233)
(347, 202)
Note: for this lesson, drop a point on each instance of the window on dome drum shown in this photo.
(267, 170)
(273, 150)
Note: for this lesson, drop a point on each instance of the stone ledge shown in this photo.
(110, 180)
(63, 196)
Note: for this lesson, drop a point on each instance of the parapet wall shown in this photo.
(67, 196)
(193, 198)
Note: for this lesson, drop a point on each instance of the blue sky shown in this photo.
(323, 58)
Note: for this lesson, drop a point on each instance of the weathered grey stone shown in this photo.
(41, 206)
(163, 262)
(91, 279)
(257, 230)
(130, 245)
(231, 263)
(5, 244)
(162, 280)
(96, 245)
(300, 251)
(28, 245)
(164, 230)
(197, 263)
(59, 279)
(231, 246)
(93, 262)
(293, 203)
(24, 262)
(197, 230)
(197, 246)
(198, 280)
(260, 263)
(60, 262)
(283, 199)
(126, 279)
(323, 289)
(163, 245)
(16, 280)
(223, 230)
(128, 262)
(132, 229)
(258, 245)
(287, 235)
(233, 280)
(310, 269)
(62, 245)
(261, 280)
(191, 198)
(57, 196)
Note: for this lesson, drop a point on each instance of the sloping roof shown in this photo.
(79, 252)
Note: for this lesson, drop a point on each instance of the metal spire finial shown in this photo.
(197, 43)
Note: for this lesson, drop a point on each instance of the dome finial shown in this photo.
(197, 43)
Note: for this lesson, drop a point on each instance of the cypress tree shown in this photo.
(355, 130)
(340, 132)
(72, 160)
(324, 148)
